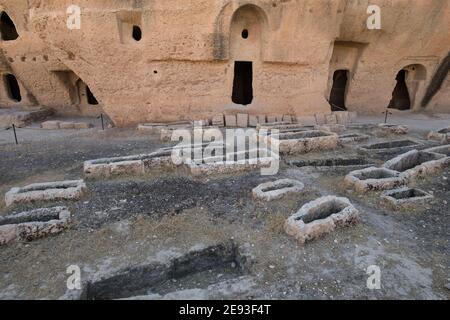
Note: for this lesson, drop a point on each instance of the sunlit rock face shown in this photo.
(142, 61)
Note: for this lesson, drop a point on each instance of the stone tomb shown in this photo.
(405, 197)
(373, 178)
(48, 191)
(306, 141)
(416, 163)
(130, 165)
(333, 163)
(393, 128)
(232, 162)
(445, 150)
(30, 225)
(440, 134)
(352, 138)
(274, 190)
(389, 147)
(319, 217)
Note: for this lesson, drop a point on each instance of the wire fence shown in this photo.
(15, 128)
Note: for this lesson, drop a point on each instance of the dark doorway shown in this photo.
(243, 82)
(7, 28)
(337, 95)
(13, 87)
(90, 97)
(400, 97)
(137, 33)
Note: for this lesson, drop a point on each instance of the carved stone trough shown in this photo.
(439, 135)
(334, 163)
(444, 150)
(30, 225)
(337, 128)
(406, 197)
(361, 126)
(320, 217)
(280, 126)
(232, 162)
(389, 147)
(48, 191)
(163, 159)
(352, 138)
(129, 165)
(373, 178)
(393, 128)
(306, 141)
(277, 189)
(416, 163)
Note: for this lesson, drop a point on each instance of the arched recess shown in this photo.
(228, 15)
(416, 72)
(8, 29)
(85, 95)
(248, 30)
(82, 99)
(248, 33)
(409, 81)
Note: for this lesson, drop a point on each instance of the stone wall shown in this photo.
(183, 66)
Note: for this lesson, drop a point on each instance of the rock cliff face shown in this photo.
(148, 60)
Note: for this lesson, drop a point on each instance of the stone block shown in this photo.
(82, 125)
(218, 120)
(242, 120)
(287, 118)
(261, 118)
(66, 125)
(50, 125)
(271, 119)
(252, 121)
(230, 120)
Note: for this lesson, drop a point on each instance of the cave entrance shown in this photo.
(8, 30)
(243, 82)
(13, 87)
(400, 96)
(338, 90)
(90, 97)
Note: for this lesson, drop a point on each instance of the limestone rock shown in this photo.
(321, 216)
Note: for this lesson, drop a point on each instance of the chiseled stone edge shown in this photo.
(438, 149)
(259, 192)
(304, 232)
(395, 203)
(28, 231)
(426, 168)
(346, 138)
(327, 141)
(50, 193)
(394, 128)
(359, 185)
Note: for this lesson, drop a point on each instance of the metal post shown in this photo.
(386, 113)
(15, 135)
(101, 117)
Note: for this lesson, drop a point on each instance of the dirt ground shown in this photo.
(130, 221)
